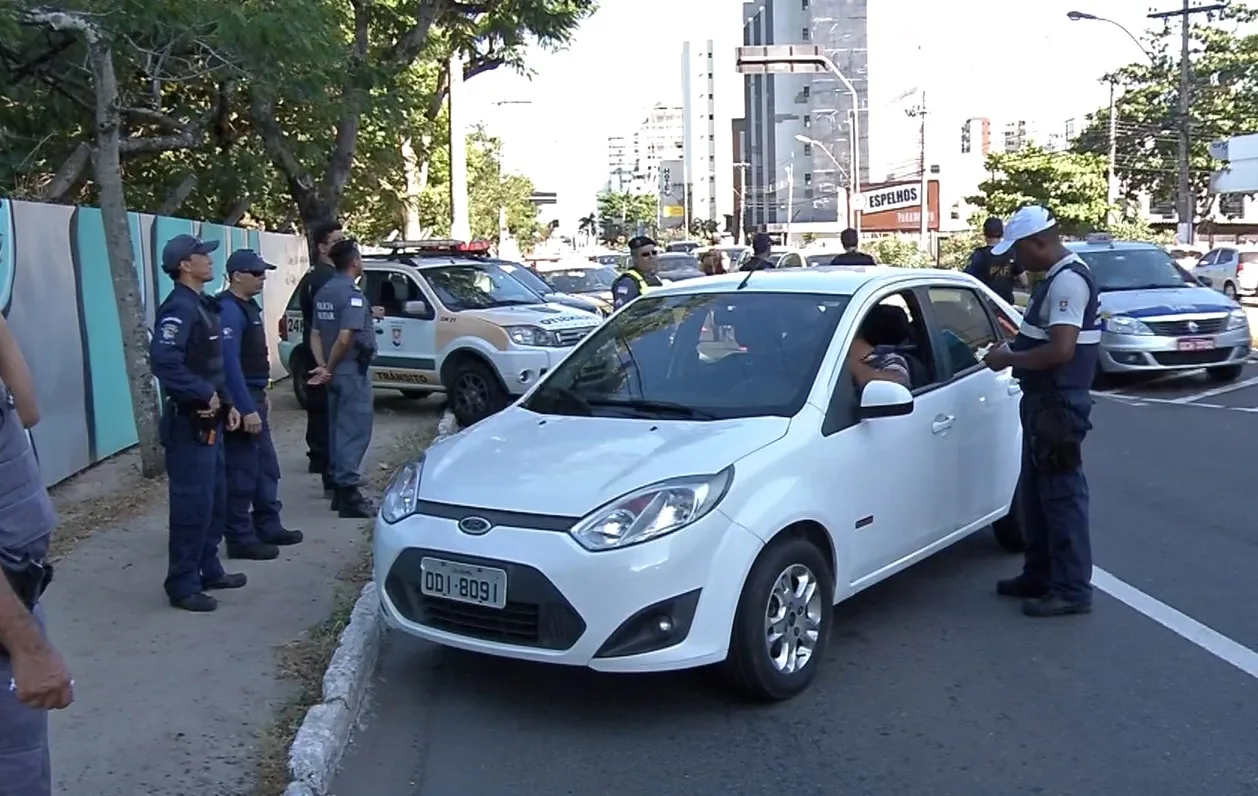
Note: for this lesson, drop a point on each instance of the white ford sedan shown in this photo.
(668, 497)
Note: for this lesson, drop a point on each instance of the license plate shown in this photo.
(1196, 344)
(463, 583)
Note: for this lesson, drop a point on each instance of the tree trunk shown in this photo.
(68, 175)
(238, 211)
(178, 196)
(113, 211)
(410, 162)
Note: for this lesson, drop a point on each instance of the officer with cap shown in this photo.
(998, 271)
(1054, 356)
(640, 276)
(253, 529)
(37, 676)
(761, 245)
(186, 355)
(343, 343)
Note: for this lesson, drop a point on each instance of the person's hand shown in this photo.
(214, 402)
(233, 419)
(319, 376)
(999, 357)
(41, 680)
(252, 422)
(377, 312)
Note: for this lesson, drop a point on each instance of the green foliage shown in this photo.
(1223, 96)
(1138, 230)
(955, 250)
(898, 250)
(1070, 184)
(620, 215)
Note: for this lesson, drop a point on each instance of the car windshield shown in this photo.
(1133, 269)
(815, 260)
(527, 278)
(583, 280)
(677, 261)
(708, 356)
(474, 287)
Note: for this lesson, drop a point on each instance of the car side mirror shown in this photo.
(419, 308)
(885, 399)
(1205, 281)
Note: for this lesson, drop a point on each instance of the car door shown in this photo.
(406, 341)
(1226, 266)
(985, 402)
(1206, 267)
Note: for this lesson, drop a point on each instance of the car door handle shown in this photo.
(379, 330)
(942, 423)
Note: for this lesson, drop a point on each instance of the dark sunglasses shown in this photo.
(258, 274)
(651, 253)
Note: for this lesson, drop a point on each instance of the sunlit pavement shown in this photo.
(933, 686)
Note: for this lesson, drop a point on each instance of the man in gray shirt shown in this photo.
(343, 342)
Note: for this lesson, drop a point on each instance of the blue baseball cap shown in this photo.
(247, 260)
(182, 247)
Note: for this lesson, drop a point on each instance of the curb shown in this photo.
(316, 750)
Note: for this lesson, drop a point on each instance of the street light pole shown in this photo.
(924, 228)
(847, 178)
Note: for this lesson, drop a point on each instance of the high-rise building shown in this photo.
(799, 145)
(711, 98)
(976, 136)
(660, 138)
(621, 163)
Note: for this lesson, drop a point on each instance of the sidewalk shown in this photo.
(170, 703)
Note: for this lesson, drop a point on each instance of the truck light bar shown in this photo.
(440, 245)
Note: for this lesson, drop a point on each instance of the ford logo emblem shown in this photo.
(476, 526)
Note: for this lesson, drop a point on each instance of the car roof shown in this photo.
(1083, 247)
(838, 280)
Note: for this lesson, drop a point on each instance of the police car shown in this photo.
(1157, 317)
(454, 323)
(668, 500)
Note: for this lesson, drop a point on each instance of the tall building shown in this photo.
(660, 138)
(621, 163)
(711, 99)
(799, 144)
(976, 136)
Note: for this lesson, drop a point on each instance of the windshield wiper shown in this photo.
(562, 396)
(512, 303)
(1120, 288)
(653, 407)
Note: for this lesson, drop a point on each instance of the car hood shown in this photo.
(519, 460)
(1164, 301)
(548, 316)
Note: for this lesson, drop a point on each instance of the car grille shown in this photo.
(1182, 329)
(1186, 358)
(536, 614)
(568, 337)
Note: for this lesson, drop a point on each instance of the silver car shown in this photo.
(1156, 317)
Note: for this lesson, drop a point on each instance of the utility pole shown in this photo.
(740, 219)
(1111, 183)
(460, 218)
(924, 228)
(1187, 202)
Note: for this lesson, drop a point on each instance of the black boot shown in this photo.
(285, 538)
(336, 498)
(252, 551)
(353, 505)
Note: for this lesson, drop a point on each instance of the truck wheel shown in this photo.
(475, 392)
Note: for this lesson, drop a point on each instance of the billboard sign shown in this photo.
(672, 189)
(896, 206)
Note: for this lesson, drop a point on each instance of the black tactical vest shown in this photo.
(255, 360)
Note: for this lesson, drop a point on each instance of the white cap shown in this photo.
(1030, 220)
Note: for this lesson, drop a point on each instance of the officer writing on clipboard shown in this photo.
(33, 678)
(1054, 358)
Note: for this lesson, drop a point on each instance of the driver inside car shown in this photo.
(870, 361)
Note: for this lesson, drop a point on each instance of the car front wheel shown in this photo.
(783, 621)
(1229, 290)
(475, 393)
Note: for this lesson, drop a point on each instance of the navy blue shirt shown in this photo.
(234, 324)
(996, 271)
(187, 326)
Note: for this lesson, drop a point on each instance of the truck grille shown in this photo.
(1183, 329)
(573, 336)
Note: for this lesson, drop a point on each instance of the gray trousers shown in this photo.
(350, 415)
(25, 763)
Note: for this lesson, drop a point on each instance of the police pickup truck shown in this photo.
(453, 322)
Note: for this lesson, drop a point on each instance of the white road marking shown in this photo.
(1208, 639)
(1240, 385)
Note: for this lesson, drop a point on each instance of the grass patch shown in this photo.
(304, 660)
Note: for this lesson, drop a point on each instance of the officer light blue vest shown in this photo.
(1077, 374)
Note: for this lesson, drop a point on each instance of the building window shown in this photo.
(805, 34)
(1232, 205)
(808, 150)
(807, 92)
(807, 120)
(804, 4)
(807, 178)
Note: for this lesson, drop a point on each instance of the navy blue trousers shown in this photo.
(253, 485)
(198, 497)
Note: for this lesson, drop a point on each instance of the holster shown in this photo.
(1055, 446)
(28, 580)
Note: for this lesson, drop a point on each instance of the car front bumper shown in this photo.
(566, 605)
(1132, 353)
(521, 367)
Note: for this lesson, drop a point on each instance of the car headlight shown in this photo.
(1121, 324)
(652, 511)
(401, 498)
(1237, 319)
(532, 335)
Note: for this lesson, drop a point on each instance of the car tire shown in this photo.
(475, 392)
(1229, 290)
(1008, 529)
(1226, 373)
(298, 367)
(758, 668)
(415, 395)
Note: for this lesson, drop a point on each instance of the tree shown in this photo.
(704, 226)
(587, 227)
(1070, 184)
(1223, 96)
(621, 215)
(898, 250)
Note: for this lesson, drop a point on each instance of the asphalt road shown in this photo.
(933, 686)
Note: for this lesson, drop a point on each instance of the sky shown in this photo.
(1005, 59)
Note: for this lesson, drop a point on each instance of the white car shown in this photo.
(1231, 269)
(664, 500)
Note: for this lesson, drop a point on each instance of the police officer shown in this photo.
(40, 680)
(1054, 357)
(761, 245)
(324, 236)
(187, 358)
(998, 271)
(252, 529)
(851, 254)
(640, 276)
(343, 342)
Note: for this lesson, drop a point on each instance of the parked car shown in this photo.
(1232, 269)
(728, 493)
(678, 266)
(781, 257)
(538, 284)
(583, 279)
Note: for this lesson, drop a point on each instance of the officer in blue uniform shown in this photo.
(1054, 357)
(38, 678)
(253, 529)
(343, 343)
(187, 358)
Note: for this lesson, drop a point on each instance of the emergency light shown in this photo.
(442, 245)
